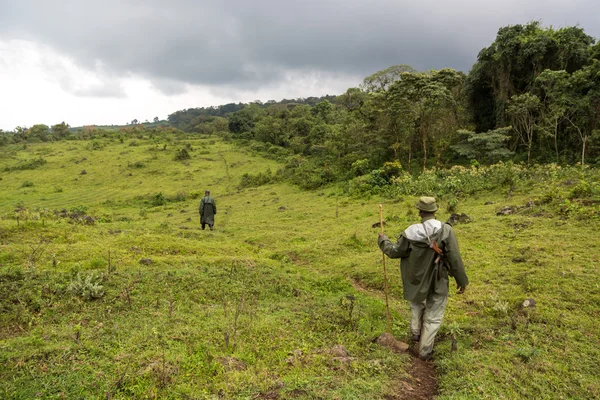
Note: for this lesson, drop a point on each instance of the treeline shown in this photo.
(62, 131)
(533, 96)
(212, 119)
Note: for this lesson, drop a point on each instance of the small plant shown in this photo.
(87, 288)
(182, 154)
(158, 200)
(143, 213)
(452, 205)
(526, 353)
(27, 184)
(583, 189)
(137, 164)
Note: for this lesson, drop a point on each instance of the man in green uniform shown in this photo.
(425, 272)
(208, 209)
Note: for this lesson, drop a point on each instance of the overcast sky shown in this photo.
(108, 62)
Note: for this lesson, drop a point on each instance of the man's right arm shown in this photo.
(399, 250)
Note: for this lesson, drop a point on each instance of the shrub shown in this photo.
(87, 288)
(137, 164)
(360, 167)
(27, 184)
(31, 164)
(158, 200)
(262, 178)
(182, 154)
(583, 189)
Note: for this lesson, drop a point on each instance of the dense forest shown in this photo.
(533, 96)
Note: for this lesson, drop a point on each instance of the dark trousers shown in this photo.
(210, 226)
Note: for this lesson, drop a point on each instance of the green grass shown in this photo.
(251, 309)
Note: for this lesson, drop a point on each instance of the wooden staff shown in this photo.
(385, 285)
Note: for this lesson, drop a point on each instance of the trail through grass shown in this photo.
(259, 307)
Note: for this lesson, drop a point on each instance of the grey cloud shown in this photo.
(249, 44)
(101, 90)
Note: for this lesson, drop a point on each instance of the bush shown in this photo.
(158, 200)
(137, 164)
(182, 154)
(262, 178)
(31, 164)
(360, 167)
(87, 288)
(27, 184)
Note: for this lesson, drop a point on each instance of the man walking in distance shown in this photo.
(208, 209)
(429, 254)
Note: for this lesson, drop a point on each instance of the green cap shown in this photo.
(427, 204)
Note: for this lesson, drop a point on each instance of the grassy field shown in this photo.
(259, 307)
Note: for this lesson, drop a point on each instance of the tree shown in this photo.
(489, 146)
(60, 131)
(557, 100)
(382, 80)
(134, 122)
(586, 104)
(418, 100)
(510, 65)
(38, 132)
(156, 120)
(523, 111)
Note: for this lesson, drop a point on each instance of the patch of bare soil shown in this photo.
(421, 384)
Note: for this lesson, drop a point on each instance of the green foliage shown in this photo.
(259, 179)
(27, 184)
(360, 167)
(88, 287)
(182, 154)
(27, 165)
(158, 200)
(136, 164)
(487, 146)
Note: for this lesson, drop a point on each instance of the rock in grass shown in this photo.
(387, 340)
(338, 351)
(456, 218)
(528, 303)
(146, 261)
(506, 211)
(232, 364)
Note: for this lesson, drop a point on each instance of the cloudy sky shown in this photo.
(108, 62)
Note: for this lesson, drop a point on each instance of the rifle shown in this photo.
(440, 260)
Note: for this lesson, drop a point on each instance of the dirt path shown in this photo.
(421, 382)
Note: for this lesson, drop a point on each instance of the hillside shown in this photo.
(121, 295)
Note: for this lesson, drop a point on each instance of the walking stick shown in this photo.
(385, 285)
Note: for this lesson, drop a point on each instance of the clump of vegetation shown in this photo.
(26, 165)
(255, 180)
(136, 164)
(182, 154)
(88, 287)
(158, 200)
(27, 184)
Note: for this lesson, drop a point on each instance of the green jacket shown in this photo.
(208, 209)
(417, 265)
